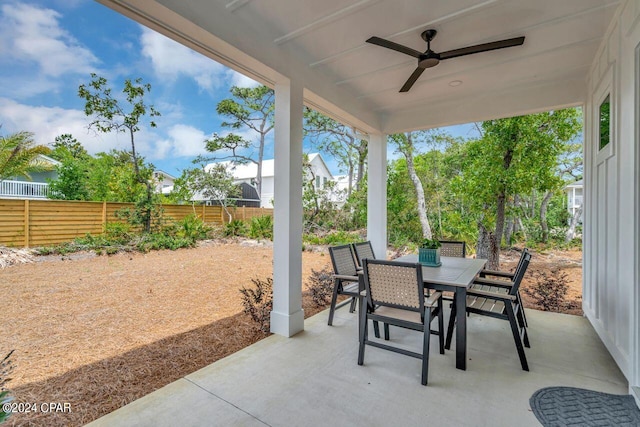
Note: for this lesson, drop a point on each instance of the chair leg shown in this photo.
(352, 307)
(441, 326)
(376, 329)
(425, 348)
(524, 316)
(522, 323)
(334, 299)
(516, 336)
(452, 323)
(364, 335)
(386, 331)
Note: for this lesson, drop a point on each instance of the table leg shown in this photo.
(461, 328)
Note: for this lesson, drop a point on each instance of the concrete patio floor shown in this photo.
(313, 379)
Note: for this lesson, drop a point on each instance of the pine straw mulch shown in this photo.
(11, 256)
(100, 332)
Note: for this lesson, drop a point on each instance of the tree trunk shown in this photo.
(571, 232)
(508, 231)
(422, 205)
(486, 248)
(260, 157)
(543, 216)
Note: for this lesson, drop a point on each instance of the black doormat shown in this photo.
(569, 406)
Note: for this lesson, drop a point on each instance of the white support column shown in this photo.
(287, 316)
(377, 194)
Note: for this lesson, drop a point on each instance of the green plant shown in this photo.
(320, 285)
(6, 366)
(192, 227)
(258, 302)
(118, 232)
(261, 227)
(430, 244)
(236, 227)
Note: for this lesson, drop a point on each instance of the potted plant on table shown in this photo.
(429, 253)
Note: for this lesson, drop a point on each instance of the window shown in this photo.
(317, 182)
(605, 116)
(324, 182)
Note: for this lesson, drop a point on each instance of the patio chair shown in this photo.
(396, 290)
(485, 283)
(453, 248)
(501, 302)
(345, 278)
(363, 250)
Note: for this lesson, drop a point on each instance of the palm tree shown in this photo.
(19, 155)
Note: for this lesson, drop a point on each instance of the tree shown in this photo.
(407, 144)
(66, 145)
(340, 141)
(110, 114)
(515, 156)
(212, 183)
(248, 108)
(19, 156)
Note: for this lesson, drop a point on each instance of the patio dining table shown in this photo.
(454, 275)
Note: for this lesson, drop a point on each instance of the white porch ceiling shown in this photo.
(322, 45)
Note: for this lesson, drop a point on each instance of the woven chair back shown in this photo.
(363, 250)
(453, 249)
(343, 261)
(394, 284)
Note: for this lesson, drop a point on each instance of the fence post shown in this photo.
(26, 223)
(104, 216)
(204, 213)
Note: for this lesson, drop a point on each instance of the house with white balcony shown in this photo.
(34, 187)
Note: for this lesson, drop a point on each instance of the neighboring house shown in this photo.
(574, 197)
(37, 187)
(246, 174)
(163, 182)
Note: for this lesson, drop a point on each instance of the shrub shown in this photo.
(237, 227)
(320, 284)
(157, 241)
(258, 302)
(118, 232)
(261, 227)
(550, 291)
(192, 227)
(6, 367)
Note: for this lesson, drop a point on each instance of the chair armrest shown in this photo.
(491, 295)
(490, 282)
(343, 277)
(433, 298)
(497, 273)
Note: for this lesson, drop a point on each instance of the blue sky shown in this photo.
(49, 48)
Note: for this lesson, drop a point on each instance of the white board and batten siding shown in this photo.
(611, 290)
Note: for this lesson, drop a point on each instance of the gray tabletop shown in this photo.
(453, 271)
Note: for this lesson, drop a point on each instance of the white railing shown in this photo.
(24, 189)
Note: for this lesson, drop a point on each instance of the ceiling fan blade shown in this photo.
(485, 47)
(412, 79)
(394, 46)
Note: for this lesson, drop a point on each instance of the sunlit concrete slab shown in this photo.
(313, 379)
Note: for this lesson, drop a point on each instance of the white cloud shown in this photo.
(29, 33)
(183, 141)
(48, 122)
(171, 60)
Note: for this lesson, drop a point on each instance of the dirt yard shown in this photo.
(99, 332)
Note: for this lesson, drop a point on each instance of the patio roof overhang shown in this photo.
(322, 46)
(314, 52)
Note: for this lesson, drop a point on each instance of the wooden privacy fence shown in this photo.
(47, 222)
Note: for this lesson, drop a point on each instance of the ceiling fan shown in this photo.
(429, 58)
